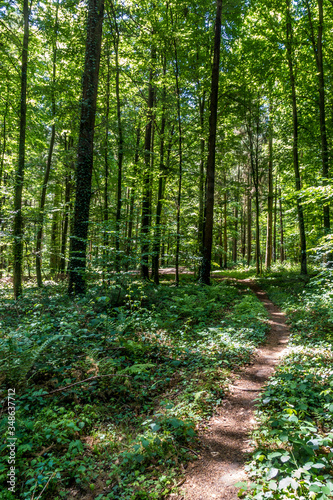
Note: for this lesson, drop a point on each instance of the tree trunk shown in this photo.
(132, 196)
(106, 165)
(77, 268)
(295, 139)
(68, 182)
(180, 171)
(19, 177)
(270, 199)
(210, 172)
(275, 215)
(201, 174)
(249, 222)
(161, 187)
(48, 163)
(120, 139)
(225, 229)
(282, 253)
(146, 206)
(317, 45)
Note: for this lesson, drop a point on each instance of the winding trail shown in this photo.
(227, 444)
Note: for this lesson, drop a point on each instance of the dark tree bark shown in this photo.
(225, 228)
(106, 162)
(68, 182)
(180, 170)
(249, 221)
(254, 160)
(114, 25)
(210, 171)
(132, 195)
(48, 163)
(275, 217)
(282, 253)
(19, 177)
(317, 45)
(270, 200)
(161, 188)
(146, 201)
(77, 268)
(201, 174)
(300, 213)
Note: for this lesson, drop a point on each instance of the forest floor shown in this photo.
(145, 392)
(227, 444)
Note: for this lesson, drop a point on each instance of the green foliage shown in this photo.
(294, 440)
(154, 373)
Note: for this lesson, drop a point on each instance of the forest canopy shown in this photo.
(194, 136)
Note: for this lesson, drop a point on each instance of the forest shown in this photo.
(165, 242)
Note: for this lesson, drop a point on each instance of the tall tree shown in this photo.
(300, 212)
(77, 266)
(49, 158)
(19, 177)
(210, 171)
(146, 205)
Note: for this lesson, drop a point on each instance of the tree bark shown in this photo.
(146, 205)
(132, 196)
(201, 174)
(270, 200)
(282, 253)
(48, 163)
(161, 188)
(77, 271)
(289, 41)
(317, 45)
(180, 170)
(19, 177)
(249, 222)
(210, 171)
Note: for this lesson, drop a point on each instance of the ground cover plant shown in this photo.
(111, 388)
(295, 436)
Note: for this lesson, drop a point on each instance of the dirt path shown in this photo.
(227, 443)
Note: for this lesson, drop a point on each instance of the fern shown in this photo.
(18, 354)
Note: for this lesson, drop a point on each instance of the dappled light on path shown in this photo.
(226, 445)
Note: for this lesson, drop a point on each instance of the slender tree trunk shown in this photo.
(282, 252)
(120, 141)
(106, 164)
(54, 244)
(77, 268)
(295, 138)
(249, 222)
(270, 200)
(255, 176)
(146, 206)
(68, 182)
(244, 230)
(317, 44)
(201, 174)
(2, 179)
(48, 163)
(210, 172)
(180, 171)
(161, 187)
(235, 238)
(132, 196)
(19, 177)
(225, 229)
(275, 214)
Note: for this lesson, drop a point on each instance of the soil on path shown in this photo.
(227, 443)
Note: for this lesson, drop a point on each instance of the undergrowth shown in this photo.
(112, 388)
